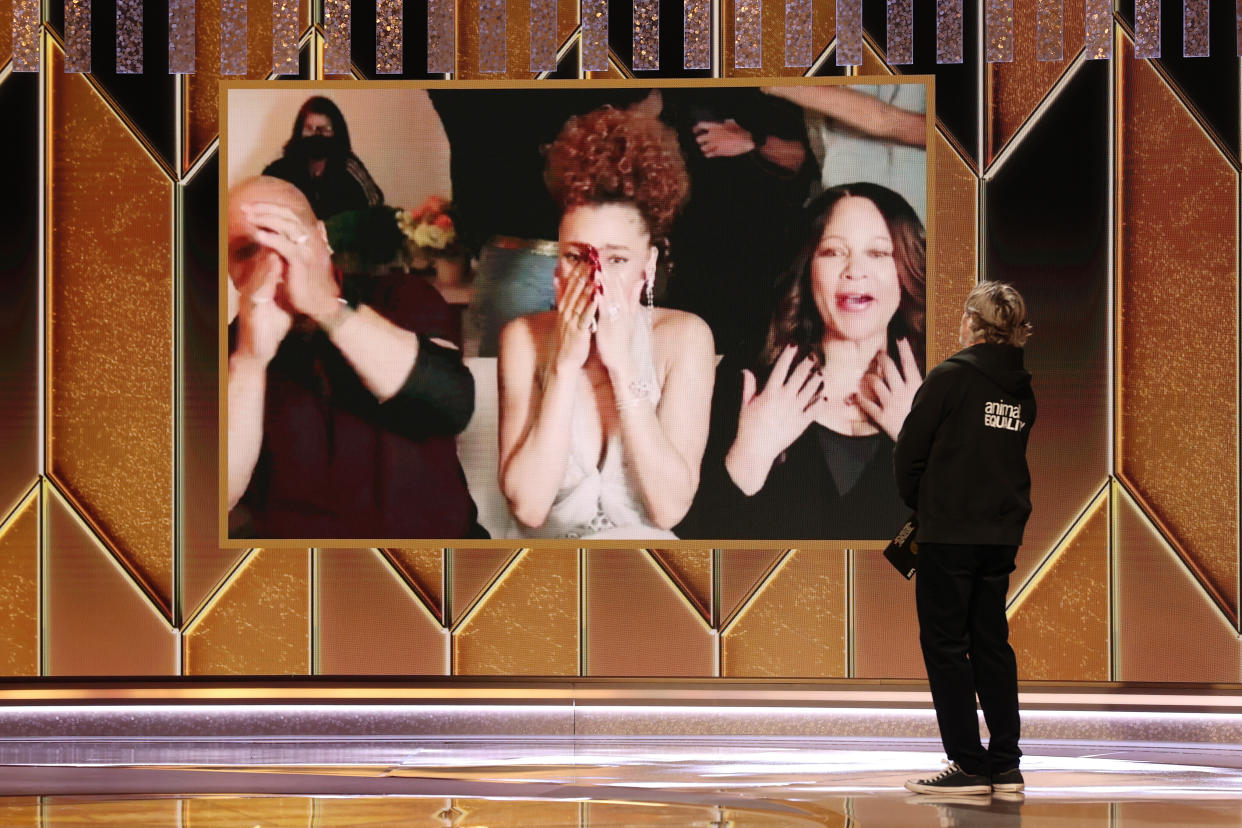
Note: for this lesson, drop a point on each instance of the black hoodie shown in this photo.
(960, 458)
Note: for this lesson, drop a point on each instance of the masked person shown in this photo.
(960, 463)
(319, 161)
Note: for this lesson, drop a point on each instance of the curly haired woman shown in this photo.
(604, 401)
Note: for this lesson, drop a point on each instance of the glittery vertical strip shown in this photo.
(849, 33)
(646, 42)
(798, 33)
(285, 25)
(389, 40)
(129, 37)
(595, 35)
(1195, 18)
(949, 22)
(1099, 29)
(1050, 30)
(77, 35)
(233, 37)
(181, 23)
(697, 34)
(1147, 28)
(337, 24)
(493, 35)
(747, 34)
(542, 35)
(998, 29)
(441, 35)
(900, 45)
(26, 35)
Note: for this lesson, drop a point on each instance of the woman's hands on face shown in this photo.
(310, 281)
(615, 331)
(887, 393)
(576, 310)
(773, 418)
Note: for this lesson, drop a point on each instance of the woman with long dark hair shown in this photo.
(319, 160)
(801, 441)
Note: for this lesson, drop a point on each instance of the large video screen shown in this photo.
(630, 313)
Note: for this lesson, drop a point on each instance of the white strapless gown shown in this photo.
(601, 502)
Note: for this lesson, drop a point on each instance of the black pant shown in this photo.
(960, 590)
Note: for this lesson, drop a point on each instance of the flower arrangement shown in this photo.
(429, 231)
(383, 236)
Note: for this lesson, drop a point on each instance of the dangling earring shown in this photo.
(649, 289)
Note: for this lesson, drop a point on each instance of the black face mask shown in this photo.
(317, 147)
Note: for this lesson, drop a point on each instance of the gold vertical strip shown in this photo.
(595, 35)
(798, 33)
(389, 31)
(1050, 30)
(1147, 28)
(285, 15)
(1195, 17)
(748, 34)
(1099, 27)
(543, 35)
(900, 34)
(129, 37)
(646, 40)
(950, 21)
(337, 22)
(696, 30)
(19, 589)
(493, 35)
(233, 24)
(441, 35)
(998, 25)
(849, 33)
(181, 23)
(77, 35)
(26, 31)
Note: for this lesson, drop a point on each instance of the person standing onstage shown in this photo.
(960, 462)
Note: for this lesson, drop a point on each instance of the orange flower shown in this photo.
(444, 221)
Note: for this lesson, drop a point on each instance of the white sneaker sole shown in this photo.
(959, 790)
(1012, 787)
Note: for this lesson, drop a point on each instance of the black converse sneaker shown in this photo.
(952, 780)
(1009, 781)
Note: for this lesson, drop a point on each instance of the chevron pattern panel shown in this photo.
(1094, 168)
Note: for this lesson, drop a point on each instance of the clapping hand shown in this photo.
(887, 393)
(771, 419)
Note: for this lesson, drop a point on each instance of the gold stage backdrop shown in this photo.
(1107, 190)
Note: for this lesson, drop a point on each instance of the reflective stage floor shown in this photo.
(713, 783)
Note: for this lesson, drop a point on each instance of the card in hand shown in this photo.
(902, 550)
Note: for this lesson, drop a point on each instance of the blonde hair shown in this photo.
(997, 313)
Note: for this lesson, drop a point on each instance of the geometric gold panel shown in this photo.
(368, 620)
(424, 570)
(772, 38)
(795, 624)
(517, 38)
(691, 569)
(1015, 89)
(208, 812)
(6, 31)
(1177, 392)
(526, 623)
(259, 621)
(96, 620)
(19, 590)
(201, 95)
(638, 623)
(377, 812)
(1167, 627)
(885, 622)
(472, 570)
(517, 813)
(741, 570)
(22, 811)
(954, 247)
(109, 330)
(1059, 623)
